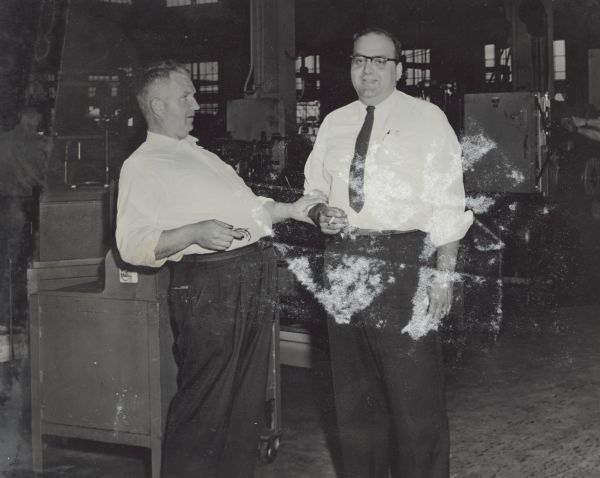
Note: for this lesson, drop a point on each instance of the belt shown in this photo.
(262, 243)
(359, 232)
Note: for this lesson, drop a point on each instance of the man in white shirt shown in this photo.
(390, 166)
(180, 203)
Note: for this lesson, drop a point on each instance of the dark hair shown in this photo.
(151, 74)
(380, 31)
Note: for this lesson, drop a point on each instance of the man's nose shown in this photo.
(368, 65)
(194, 104)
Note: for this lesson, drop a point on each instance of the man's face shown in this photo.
(372, 84)
(175, 105)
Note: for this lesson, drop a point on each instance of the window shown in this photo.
(205, 76)
(417, 65)
(560, 60)
(103, 78)
(505, 62)
(49, 80)
(308, 71)
(126, 70)
(125, 2)
(209, 109)
(311, 63)
(490, 62)
(308, 86)
(497, 70)
(308, 111)
(91, 92)
(183, 3)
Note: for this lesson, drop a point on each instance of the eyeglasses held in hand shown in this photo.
(245, 232)
(358, 61)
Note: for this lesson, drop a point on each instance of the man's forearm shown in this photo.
(173, 241)
(297, 210)
(279, 211)
(446, 256)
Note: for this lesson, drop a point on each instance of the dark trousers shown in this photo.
(222, 313)
(389, 388)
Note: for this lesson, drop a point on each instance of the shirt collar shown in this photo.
(382, 108)
(162, 140)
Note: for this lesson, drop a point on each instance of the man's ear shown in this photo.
(398, 71)
(157, 106)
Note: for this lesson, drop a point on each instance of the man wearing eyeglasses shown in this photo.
(390, 166)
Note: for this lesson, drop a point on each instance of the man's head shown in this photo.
(374, 83)
(165, 94)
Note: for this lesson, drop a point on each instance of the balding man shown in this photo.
(180, 203)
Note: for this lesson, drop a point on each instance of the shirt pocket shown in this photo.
(401, 147)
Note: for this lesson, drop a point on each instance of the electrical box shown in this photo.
(594, 77)
(503, 143)
(73, 224)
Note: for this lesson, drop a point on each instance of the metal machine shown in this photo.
(510, 127)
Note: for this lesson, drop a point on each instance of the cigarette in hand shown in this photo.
(330, 220)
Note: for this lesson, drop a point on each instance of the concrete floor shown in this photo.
(526, 406)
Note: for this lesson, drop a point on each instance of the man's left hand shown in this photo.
(440, 298)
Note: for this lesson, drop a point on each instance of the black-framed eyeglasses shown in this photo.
(358, 61)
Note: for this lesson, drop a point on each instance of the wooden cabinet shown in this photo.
(101, 360)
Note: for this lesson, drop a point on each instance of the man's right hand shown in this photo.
(212, 234)
(215, 235)
(332, 220)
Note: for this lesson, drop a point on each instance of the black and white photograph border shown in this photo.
(87, 369)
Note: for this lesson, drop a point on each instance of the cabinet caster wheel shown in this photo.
(267, 449)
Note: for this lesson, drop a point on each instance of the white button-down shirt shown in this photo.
(413, 170)
(168, 183)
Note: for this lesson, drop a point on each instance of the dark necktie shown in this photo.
(357, 167)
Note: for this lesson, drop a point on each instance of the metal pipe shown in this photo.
(10, 311)
(106, 153)
(252, 15)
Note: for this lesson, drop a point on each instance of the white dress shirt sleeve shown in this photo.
(316, 178)
(137, 234)
(443, 186)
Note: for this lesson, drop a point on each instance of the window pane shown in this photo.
(559, 63)
(417, 65)
(205, 75)
(490, 55)
(559, 47)
(182, 3)
(309, 63)
(209, 108)
(560, 60)
(307, 111)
